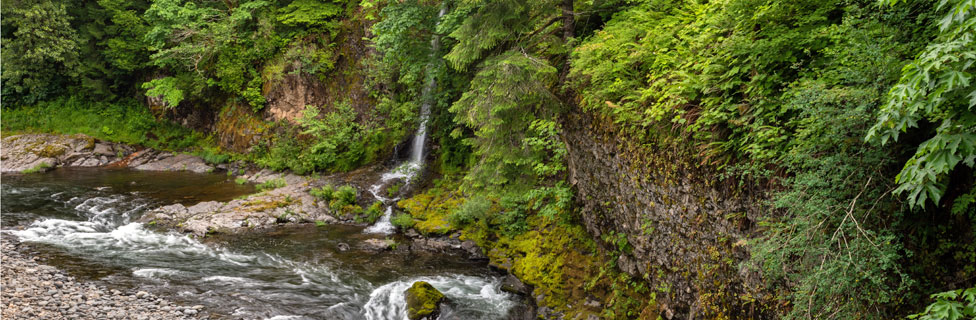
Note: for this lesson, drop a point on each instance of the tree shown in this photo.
(937, 88)
(40, 57)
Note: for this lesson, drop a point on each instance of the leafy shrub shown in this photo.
(240, 181)
(936, 88)
(371, 214)
(324, 193)
(125, 121)
(345, 194)
(331, 141)
(950, 305)
(472, 210)
(213, 156)
(402, 221)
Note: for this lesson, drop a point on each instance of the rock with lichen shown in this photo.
(423, 301)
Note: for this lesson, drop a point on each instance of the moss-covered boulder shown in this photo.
(423, 301)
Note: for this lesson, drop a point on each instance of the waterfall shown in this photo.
(417, 151)
(407, 171)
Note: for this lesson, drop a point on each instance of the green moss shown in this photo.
(40, 167)
(557, 257)
(431, 209)
(423, 300)
(259, 205)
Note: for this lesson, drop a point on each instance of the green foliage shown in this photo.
(402, 221)
(271, 184)
(40, 167)
(324, 193)
(832, 251)
(473, 209)
(338, 138)
(125, 121)
(506, 96)
(936, 88)
(332, 141)
(213, 155)
(342, 199)
(40, 54)
(212, 46)
(950, 305)
(240, 181)
(310, 13)
(403, 37)
(167, 88)
(345, 195)
(371, 214)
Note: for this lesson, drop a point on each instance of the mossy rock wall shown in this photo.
(685, 228)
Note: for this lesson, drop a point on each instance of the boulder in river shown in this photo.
(423, 301)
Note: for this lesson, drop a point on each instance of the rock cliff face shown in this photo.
(685, 230)
(288, 96)
(287, 92)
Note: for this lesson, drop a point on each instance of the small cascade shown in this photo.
(408, 170)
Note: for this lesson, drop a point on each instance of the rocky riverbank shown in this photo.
(286, 201)
(38, 152)
(29, 290)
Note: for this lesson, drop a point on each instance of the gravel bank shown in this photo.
(29, 290)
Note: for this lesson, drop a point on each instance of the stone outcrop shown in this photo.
(40, 152)
(288, 204)
(685, 229)
(150, 160)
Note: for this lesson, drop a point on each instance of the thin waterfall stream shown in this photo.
(406, 171)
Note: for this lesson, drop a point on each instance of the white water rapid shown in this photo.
(295, 274)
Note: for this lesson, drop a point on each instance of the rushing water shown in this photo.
(82, 221)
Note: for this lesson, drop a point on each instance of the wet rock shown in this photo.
(289, 204)
(343, 246)
(514, 285)
(423, 301)
(501, 262)
(592, 303)
(41, 152)
(412, 233)
(180, 162)
(676, 216)
(474, 252)
(377, 245)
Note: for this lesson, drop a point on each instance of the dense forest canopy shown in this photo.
(856, 119)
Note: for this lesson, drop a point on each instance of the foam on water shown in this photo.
(389, 301)
(97, 226)
(155, 273)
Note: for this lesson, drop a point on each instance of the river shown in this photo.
(82, 221)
